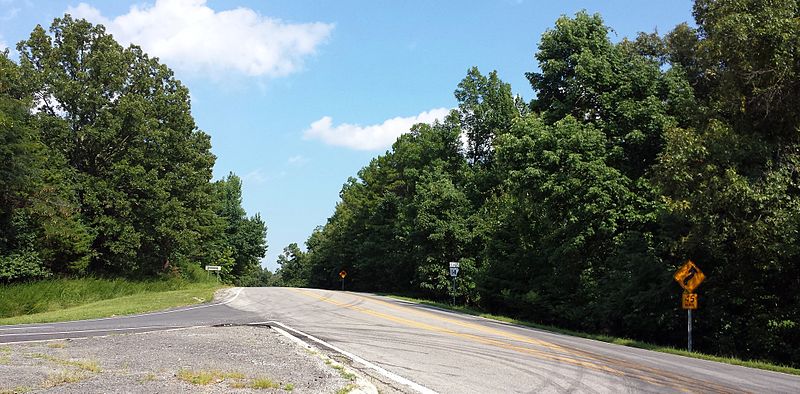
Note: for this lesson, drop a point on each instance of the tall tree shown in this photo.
(244, 237)
(40, 229)
(123, 123)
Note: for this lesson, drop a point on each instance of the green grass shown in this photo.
(87, 298)
(606, 338)
(207, 377)
(263, 383)
(63, 377)
(16, 390)
(346, 389)
(86, 365)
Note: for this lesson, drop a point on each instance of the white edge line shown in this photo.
(27, 334)
(96, 336)
(239, 290)
(391, 375)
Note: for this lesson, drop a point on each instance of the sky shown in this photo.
(298, 95)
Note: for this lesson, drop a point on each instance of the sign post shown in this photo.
(342, 274)
(454, 266)
(689, 277)
(210, 268)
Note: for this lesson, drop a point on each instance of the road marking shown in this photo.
(660, 377)
(388, 374)
(477, 327)
(24, 334)
(48, 325)
(475, 338)
(365, 386)
(97, 336)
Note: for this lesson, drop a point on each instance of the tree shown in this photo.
(245, 237)
(293, 269)
(486, 109)
(40, 229)
(123, 124)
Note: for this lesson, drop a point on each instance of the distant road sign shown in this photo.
(689, 301)
(454, 264)
(453, 271)
(342, 274)
(213, 268)
(689, 276)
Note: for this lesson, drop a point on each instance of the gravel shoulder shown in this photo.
(203, 359)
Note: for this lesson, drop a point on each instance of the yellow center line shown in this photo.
(477, 327)
(661, 378)
(521, 338)
(472, 337)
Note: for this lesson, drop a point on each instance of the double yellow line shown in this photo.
(569, 356)
(471, 337)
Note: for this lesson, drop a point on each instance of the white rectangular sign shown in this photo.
(454, 264)
(213, 268)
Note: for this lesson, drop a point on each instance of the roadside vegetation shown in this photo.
(86, 298)
(574, 209)
(105, 172)
(765, 365)
(107, 204)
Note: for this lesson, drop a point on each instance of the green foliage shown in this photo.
(577, 209)
(244, 240)
(57, 294)
(293, 270)
(22, 266)
(106, 171)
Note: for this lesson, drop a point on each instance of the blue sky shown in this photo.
(299, 95)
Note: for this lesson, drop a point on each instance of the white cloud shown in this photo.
(9, 14)
(370, 137)
(189, 36)
(297, 161)
(255, 176)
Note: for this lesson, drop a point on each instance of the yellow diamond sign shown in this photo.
(689, 276)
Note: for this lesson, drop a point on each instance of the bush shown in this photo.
(26, 265)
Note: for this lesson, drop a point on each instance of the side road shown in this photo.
(213, 313)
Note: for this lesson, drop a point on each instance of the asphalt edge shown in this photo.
(363, 386)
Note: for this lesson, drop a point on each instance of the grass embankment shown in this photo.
(86, 298)
(606, 338)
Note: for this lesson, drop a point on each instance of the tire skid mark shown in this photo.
(568, 354)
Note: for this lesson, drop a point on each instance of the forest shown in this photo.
(575, 208)
(104, 172)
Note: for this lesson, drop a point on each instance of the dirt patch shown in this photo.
(206, 359)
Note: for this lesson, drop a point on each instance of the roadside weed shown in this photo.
(207, 377)
(346, 389)
(263, 383)
(63, 377)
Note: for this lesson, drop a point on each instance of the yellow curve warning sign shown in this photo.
(689, 276)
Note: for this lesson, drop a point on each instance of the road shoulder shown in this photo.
(210, 359)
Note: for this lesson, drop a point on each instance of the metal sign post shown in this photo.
(210, 268)
(454, 266)
(689, 328)
(342, 274)
(689, 277)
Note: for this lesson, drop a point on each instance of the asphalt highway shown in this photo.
(415, 348)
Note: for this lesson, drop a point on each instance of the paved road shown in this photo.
(217, 312)
(418, 348)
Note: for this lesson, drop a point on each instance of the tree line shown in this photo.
(575, 208)
(104, 171)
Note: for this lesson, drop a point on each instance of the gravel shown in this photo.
(235, 358)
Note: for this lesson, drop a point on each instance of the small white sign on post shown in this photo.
(454, 265)
(213, 268)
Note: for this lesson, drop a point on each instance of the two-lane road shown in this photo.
(418, 348)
